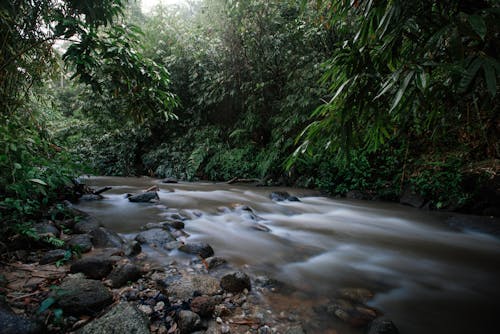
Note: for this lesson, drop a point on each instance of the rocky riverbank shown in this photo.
(101, 282)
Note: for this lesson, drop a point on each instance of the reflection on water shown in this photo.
(427, 278)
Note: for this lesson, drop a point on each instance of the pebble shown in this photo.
(219, 320)
(225, 329)
(145, 309)
(159, 306)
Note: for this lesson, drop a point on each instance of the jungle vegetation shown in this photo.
(380, 97)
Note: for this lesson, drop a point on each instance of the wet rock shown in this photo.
(185, 288)
(124, 273)
(203, 305)
(47, 229)
(78, 296)
(202, 249)
(383, 326)
(176, 224)
(155, 237)
(235, 282)
(359, 295)
(357, 194)
(225, 329)
(214, 262)
(80, 242)
(91, 197)
(188, 321)
(411, 198)
(122, 318)
(93, 267)
(169, 180)
(131, 248)
(295, 330)
(173, 245)
(265, 330)
(103, 238)
(86, 225)
(260, 227)
(280, 196)
(356, 315)
(146, 197)
(12, 323)
(53, 256)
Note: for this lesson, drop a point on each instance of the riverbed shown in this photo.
(425, 276)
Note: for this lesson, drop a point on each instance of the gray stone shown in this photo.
(202, 249)
(91, 197)
(236, 282)
(78, 296)
(52, 256)
(86, 225)
(155, 237)
(104, 238)
(170, 180)
(12, 323)
(173, 245)
(215, 262)
(131, 248)
(144, 197)
(383, 326)
(124, 273)
(121, 319)
(356, 315)
(295, 330)
(203, 305)
(93, 267)
(280, 196)
(177, 224)
(411, 198)
(188, 321)
(47, 229)
(80, 242)
(185, 287)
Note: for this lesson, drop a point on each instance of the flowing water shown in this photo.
(426, 277)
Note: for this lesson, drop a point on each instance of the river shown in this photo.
(426, 277)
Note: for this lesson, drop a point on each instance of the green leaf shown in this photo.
(17, 166)
(46, 304)
(477, 23)
(490, 77)
(38, 181)
(469, 75)
(401, 91)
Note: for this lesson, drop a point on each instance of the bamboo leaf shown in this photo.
(478, 25)
(490, 77)
(401, 91)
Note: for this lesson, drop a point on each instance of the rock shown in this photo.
(78, 296)
(146, 197)
(91, 197)
(104, 238)
(93, 267)
(12, 323)
(383, 326)
(177, 224)
(280, 196)
(225, 329)
(260, 227)
(169, 180)
(236, 282)
(295, 330)
(131, 248)
(359, 295)
(357, 315)
(202, 249)
(411, 198)
(265, 330)
(53, 256)
(155, 237)
(122, 318)
(185, 288)
(80, 242)
(357, 194)
(188, 321)
(173, 245)
(124, 273)
(47, 229)
(86, 225)
(214, 262)
(203, 305)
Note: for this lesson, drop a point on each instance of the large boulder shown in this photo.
(86, 225)
(146, 197)
(93, 267)
(12, 323)
(124, 273)
(122, 318)
(411, 198)
(155, 237)
(52, 256)
(188, 321)
(184, 288)
(77, 296)
(104, 238)
(382, 326)
(235, 282)
(47, 229)
(197, 248)
(80, 242)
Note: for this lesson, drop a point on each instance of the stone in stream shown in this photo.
(185, 287)
(93, 267)
(122, 318)
(202, 249)
(359, 295)
(188, 322)
(104, 238)
(124, 273)
(91, 197)
(53, 256)
(236, 282)
(356, 315)
(295, 330)
(383, 326)
(12, 323)
(176, 224)
(77, 296)
(80, 242)
(203, 305)
(411, 198)
(146, 197)
(155, 237)
(280, 196)
(131, 248)
(86, 225)
(214, 262)
(169, 180)
(47, 229)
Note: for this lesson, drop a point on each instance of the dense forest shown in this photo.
(374, 99)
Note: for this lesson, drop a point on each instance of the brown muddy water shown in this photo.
(426, 277)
